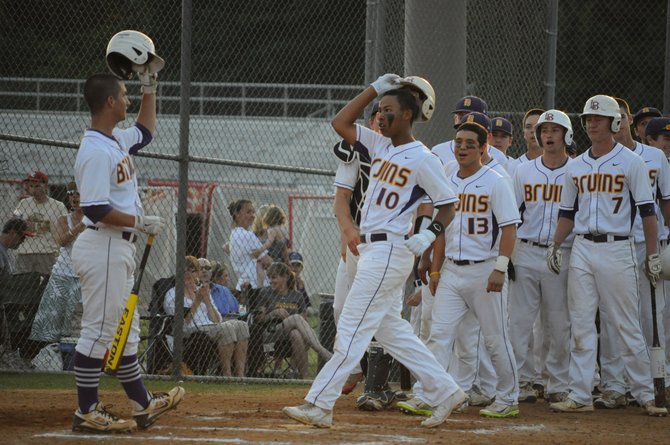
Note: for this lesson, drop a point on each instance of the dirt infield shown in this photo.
(241, 417)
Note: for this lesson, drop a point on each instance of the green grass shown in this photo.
(66, 382)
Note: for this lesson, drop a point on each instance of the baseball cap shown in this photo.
(658, 125)
(644, 112)
(295, 257)
(37, 176)
(501, 124)
(18, 225)
(469, 104)
(475, 118)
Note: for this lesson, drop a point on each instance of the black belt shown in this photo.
(603, 238)
(128, 236)
(465, 262)
(374, 237)
(533, 243)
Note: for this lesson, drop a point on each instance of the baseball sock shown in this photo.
(87, 372)
(129, 376)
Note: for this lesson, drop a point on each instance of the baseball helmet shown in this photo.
(555, 117)
(128, 50)
(602, 105)
(428, 95)
(665, 264)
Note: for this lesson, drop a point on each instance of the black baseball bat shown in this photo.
(657, 356)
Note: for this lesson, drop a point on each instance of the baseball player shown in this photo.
(657, 134)
(351, 182)
(603, 189)
(536, 290)
(641, 120)
(501, 135)
(474, 255)
(402, 172)
(611, 365)
(103, 256)
(533, 150)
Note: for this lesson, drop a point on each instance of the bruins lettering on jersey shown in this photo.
(124, 170)
(542, 193)
(471, 203)
(599, 183)
(391, 173)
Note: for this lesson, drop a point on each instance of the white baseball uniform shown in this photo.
(399, 178)
(486, 203)
(537, 289)
(611, 365)
(514, 163)
(104, 257)
(604, 192)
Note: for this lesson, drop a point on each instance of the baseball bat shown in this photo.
(123, 328)
(657, 356)
(405, 378)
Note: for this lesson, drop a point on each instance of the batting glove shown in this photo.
(419, 242)
(554, 258)
(652, 268)
(149, 224)
(386, 82)
(149, 81)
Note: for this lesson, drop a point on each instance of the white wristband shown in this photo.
(501, 263)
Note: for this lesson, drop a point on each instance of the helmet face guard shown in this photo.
(427, 101)
(602, 105)
(132, 51)
(555, 117)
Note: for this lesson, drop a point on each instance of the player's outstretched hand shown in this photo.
(419, 242)
(149, 81)
(652, 268)
(386, 82)
(554, 258)
(151, 225)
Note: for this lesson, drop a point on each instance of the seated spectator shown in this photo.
(59, 313)
(281, 308)
(297, 266)
(13, 234)
(222, 296)
(274, 222)
(231, 336)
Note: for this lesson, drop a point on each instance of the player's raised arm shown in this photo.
(345, 120)
(147, 114)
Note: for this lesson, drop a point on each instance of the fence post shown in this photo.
(552, 41)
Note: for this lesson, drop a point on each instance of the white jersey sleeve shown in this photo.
(445, 151)
(503, 203)
(93, 168)
(639, 182)
(347, 174)
(128, 137)
(431, 177)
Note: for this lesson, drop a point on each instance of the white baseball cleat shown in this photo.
(159, 404)
(310, 414)
(570, 406)
(655, 411)
(444, 409)
(100, 420)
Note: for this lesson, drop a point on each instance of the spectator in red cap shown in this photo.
(13, 233)
(41, 213)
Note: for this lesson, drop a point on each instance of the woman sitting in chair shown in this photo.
(231, 336)
(281, 307)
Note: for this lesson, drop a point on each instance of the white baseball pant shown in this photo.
(537, 290)
(105, 264)
(604, 276)
(373, 308)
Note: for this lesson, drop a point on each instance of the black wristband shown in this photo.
(436, 227)
(419, 223)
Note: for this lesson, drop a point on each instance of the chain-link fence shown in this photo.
(266, 78)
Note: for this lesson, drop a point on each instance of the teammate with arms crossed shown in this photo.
(536, 289)
(402, 172)
(104, 255)
(611, 364)
(473, 260)
(603, 189)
